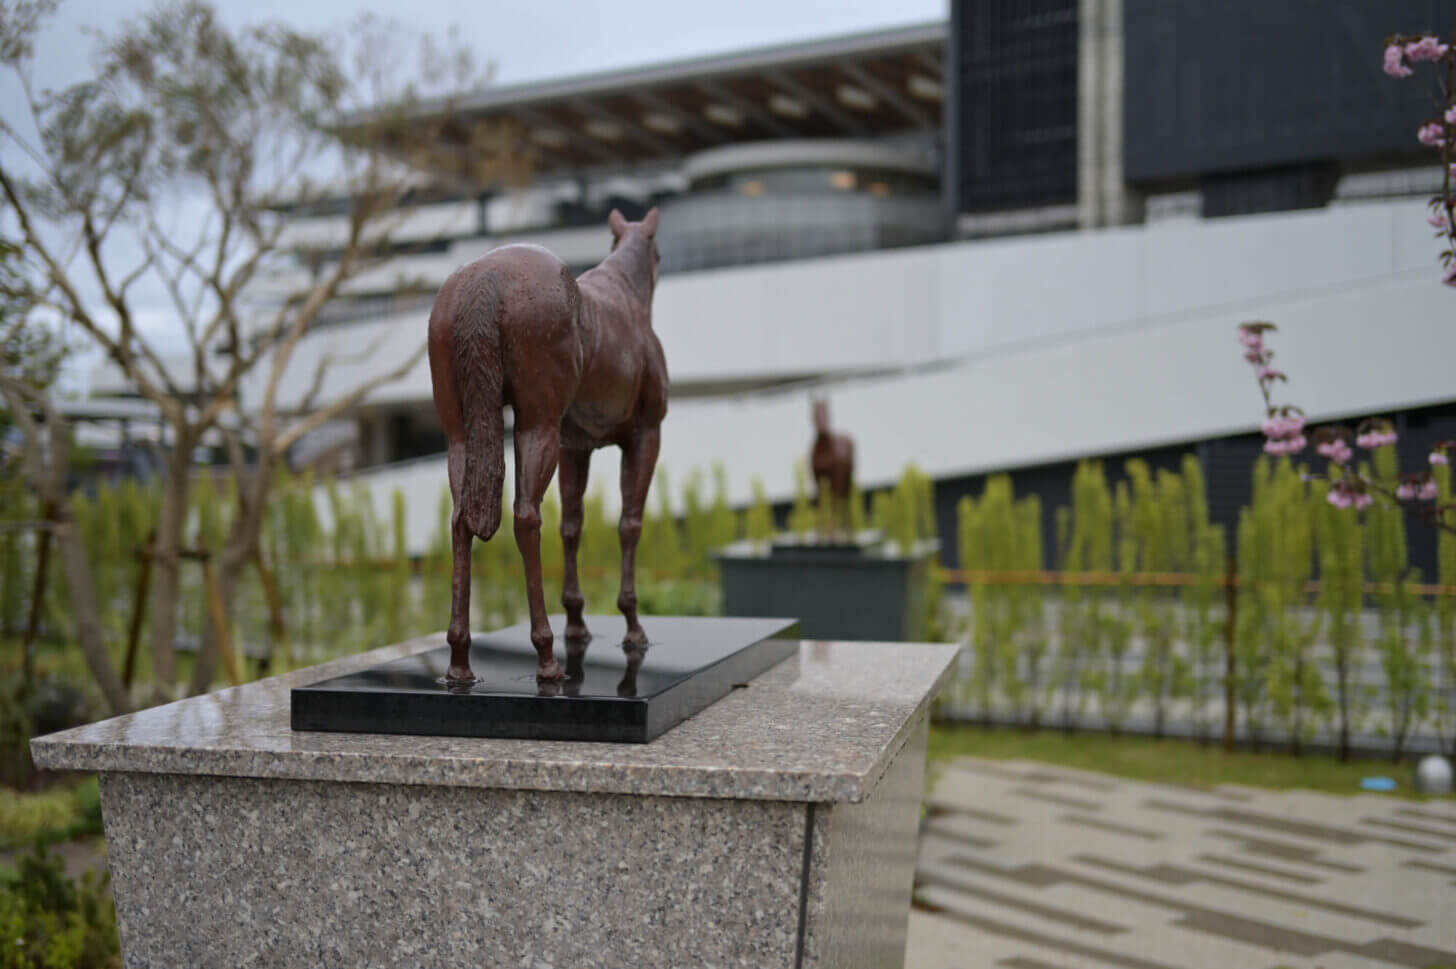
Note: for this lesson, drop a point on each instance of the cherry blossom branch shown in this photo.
(1440, 132)
(1352, 487)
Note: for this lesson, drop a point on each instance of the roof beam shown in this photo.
(930, 60)
(900, 103)
(574, 139)
(633, 130)
(752, 111)
(816, 103)
(689, 121)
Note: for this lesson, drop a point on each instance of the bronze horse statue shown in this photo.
(577, 361)
(832, 462)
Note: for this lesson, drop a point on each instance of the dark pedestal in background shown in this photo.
(838, 591)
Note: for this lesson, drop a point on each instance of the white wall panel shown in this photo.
(843, 313)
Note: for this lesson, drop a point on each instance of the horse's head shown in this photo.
(642, 233)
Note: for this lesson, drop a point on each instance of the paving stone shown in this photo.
(1028, 866)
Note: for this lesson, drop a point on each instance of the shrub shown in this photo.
(49, 921)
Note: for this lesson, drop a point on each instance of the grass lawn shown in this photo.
(1168, 761)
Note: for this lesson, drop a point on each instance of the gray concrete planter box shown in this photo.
(867, 591)
(776, 828)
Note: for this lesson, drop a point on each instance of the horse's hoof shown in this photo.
(459, 676)
(550, 671)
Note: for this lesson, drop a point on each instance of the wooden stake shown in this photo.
(275, 611)
(219, 623)
(1230, 641)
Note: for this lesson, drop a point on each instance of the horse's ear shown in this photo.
(618, 224)
(649, 221)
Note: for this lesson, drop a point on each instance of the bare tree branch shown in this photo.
(76, 310)
(119, 305)
(327, 360)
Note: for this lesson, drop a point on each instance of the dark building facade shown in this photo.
(1260, 104)
(1011, 132)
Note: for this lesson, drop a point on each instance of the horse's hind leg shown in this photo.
(574, 467)
(536, 453)
(639, 457)
(458, 635)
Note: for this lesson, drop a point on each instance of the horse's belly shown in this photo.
(593, 423)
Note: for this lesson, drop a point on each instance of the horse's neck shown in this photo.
(626, 266)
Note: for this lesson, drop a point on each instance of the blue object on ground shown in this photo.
(1378, 784)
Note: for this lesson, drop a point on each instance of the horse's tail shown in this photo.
(479, 378)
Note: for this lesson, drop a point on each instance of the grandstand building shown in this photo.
(1003, 242)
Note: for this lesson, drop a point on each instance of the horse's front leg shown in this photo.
(536, 453)
(639, 458)
(574, 467)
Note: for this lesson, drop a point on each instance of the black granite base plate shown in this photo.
(609, 694)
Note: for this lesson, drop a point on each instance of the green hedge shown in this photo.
(1146, 631)
(347, 583)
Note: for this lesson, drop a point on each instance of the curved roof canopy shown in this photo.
(862, 85)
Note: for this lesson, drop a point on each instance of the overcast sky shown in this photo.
(525, 41)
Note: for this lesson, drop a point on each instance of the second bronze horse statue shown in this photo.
(577, 361)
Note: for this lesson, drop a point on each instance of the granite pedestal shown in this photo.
(776, 828)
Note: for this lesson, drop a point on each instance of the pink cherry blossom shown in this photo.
(1450, 114)
(1362, 500)
(1371, 440)
(1439, 457)
(1428, 491)
(1285, 445)
(1428, 48)
(1283, 426)
(1254, 356)
(1432, 133)
(1337, 451)
(1394, 66)
(1406, 491)
(1252, 339)
(1450, 277)
(1270, 373)
(1453, 169)
(1438, 221)
(1339, 497)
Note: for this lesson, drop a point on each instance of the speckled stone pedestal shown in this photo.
(774, 829)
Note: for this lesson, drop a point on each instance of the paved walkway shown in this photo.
(1026, 866)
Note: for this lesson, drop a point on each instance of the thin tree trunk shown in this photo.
(139, 608)
(37, 601)
(166, 559)
(87, 615)
(47, 473)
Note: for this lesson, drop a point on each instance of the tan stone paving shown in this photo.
(1026, 866)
